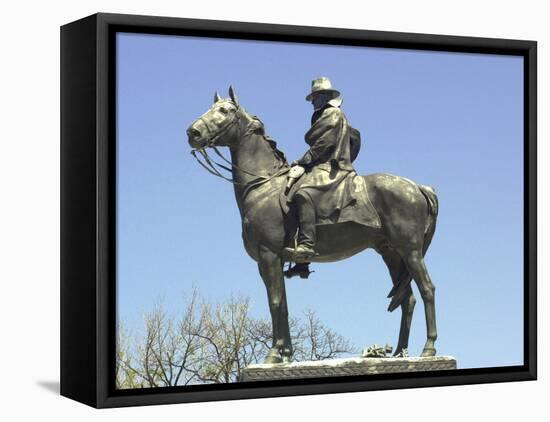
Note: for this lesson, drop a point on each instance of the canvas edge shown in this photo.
(78, 355)
(104, 130)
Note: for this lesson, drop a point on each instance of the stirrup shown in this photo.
(300, 253)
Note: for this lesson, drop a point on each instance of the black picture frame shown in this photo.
(88, 201)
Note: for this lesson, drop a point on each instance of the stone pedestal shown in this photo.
(344, 367)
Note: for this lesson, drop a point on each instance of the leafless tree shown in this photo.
(168, 353)
(315, 341)
(125, 377)
(212, 343)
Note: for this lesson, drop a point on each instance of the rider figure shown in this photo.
(334, 144)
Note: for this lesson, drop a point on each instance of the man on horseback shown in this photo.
(330, 193)
(334, 145)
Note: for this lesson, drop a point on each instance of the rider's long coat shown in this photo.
(330, 180)
(331, 138)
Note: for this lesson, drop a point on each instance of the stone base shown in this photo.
(344, 367)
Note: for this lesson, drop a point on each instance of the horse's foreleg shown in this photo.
(417, 268)
(271, 270)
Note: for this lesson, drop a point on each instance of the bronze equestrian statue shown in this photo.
(393, 215)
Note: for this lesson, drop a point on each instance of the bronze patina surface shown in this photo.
(400, 225)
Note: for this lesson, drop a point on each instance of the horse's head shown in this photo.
(216, 127)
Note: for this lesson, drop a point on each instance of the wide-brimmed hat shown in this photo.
(322, 84)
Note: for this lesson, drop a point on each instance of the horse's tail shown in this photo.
(433, 210)
(397, 293)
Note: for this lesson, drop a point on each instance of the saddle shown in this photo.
(346, 201)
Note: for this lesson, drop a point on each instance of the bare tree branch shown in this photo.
(212, 344)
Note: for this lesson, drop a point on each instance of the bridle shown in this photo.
(212, 135)
(210, 164)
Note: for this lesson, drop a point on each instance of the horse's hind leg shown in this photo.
(271, 270)
(399, 274)
(407, 310)
(417, 268)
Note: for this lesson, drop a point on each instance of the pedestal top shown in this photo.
(345, 366)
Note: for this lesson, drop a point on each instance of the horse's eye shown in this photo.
(223, 110)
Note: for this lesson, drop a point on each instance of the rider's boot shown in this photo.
(306, 234)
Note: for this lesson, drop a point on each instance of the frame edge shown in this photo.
(78, 216)
(103, 396)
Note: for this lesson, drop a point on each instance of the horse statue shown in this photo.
(407, 211)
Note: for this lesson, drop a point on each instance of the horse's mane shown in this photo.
(257, 126)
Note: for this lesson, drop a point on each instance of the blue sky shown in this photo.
(450, 120)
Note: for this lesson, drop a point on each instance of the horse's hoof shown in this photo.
(401, 352)
(287, 359)
(428, 352)
(270, 359)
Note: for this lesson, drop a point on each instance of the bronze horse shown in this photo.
(407, 211)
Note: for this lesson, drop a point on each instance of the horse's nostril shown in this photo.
(194, 133)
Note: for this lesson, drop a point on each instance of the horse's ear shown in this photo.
(233, 96)
(217, 97)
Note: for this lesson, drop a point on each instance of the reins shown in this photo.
(211, 164)
(210, 168)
